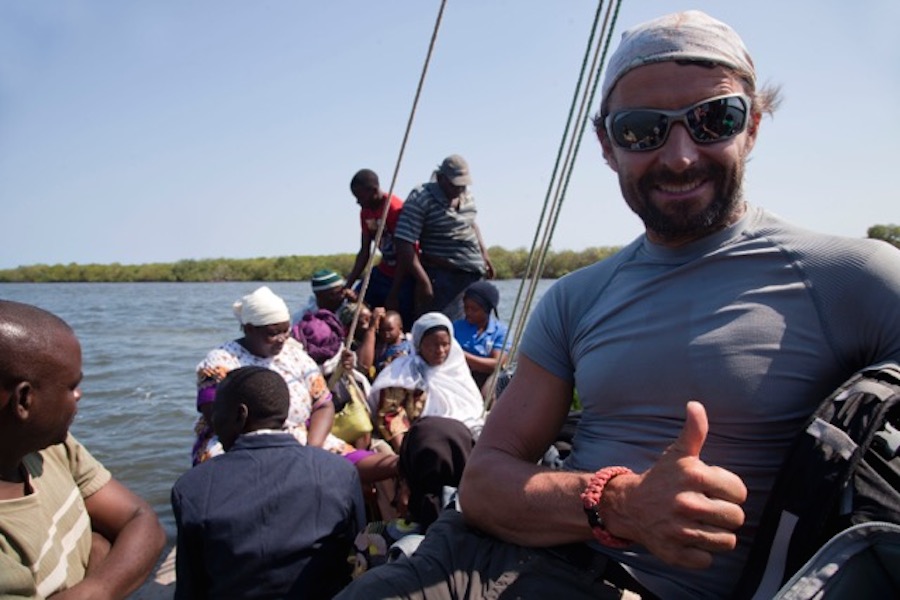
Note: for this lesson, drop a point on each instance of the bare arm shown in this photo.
(365, 351)
(320, 423)
(362, 257)
(503, 487)
(482, 364)
(408, 263)
(136, 538)
(680, 509)
(489, 266)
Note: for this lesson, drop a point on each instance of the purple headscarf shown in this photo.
(321, 334)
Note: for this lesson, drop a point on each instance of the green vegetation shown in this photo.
(888, 233)
(508, 264)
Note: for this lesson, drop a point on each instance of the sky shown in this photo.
(143, 132)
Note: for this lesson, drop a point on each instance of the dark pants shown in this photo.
(449, 285)
(456, 561)
(379, 288)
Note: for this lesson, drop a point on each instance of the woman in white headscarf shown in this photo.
(265, 322)
(432, 381)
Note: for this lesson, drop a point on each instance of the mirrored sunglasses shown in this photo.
(713, 120)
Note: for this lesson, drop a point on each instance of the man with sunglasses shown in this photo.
(698, 352)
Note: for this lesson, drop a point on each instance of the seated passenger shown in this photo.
(378, 337)
(330, 291)
(270, 518)
(480, 334)
(391, 342)
(67, 527)
(433, 381)
(362, 346)
(322, 335)
(432, 458)
(265, 321)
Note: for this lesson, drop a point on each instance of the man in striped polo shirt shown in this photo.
(440, 216)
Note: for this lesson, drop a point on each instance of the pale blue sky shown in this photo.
(137, 132)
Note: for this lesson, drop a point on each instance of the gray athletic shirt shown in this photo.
(759, 322)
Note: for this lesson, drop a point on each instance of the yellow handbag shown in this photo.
(353, 421)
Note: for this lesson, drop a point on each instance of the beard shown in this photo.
(681, 222)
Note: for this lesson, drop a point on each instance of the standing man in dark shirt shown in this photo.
(440, 216)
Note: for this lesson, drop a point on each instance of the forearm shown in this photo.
(488, 265)
(503, 490)
(499, 493)
(131, 557)
(320, 424)
(477, 230)
(365, 353)
(399, 275)
(408, 263)
(481, 364)
(361, 259)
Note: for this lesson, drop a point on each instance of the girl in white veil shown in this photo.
(433, 380)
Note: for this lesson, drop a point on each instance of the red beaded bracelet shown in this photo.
(591, 501)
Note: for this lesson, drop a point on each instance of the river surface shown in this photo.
(140, 344)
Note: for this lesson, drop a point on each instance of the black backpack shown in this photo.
(843, 469)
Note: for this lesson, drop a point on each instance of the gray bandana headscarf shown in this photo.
(691, 36)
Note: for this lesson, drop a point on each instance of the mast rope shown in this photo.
(367, 272)
(380, 231)
(573, 132)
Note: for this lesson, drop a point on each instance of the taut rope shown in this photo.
(377, 242)
(576, 123)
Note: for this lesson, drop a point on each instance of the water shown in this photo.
(141, 342)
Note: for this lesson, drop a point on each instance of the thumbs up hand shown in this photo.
(693, 433)
(681, 509)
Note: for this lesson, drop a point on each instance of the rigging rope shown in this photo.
(553, 200)
(378, 234)
(412, 114)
